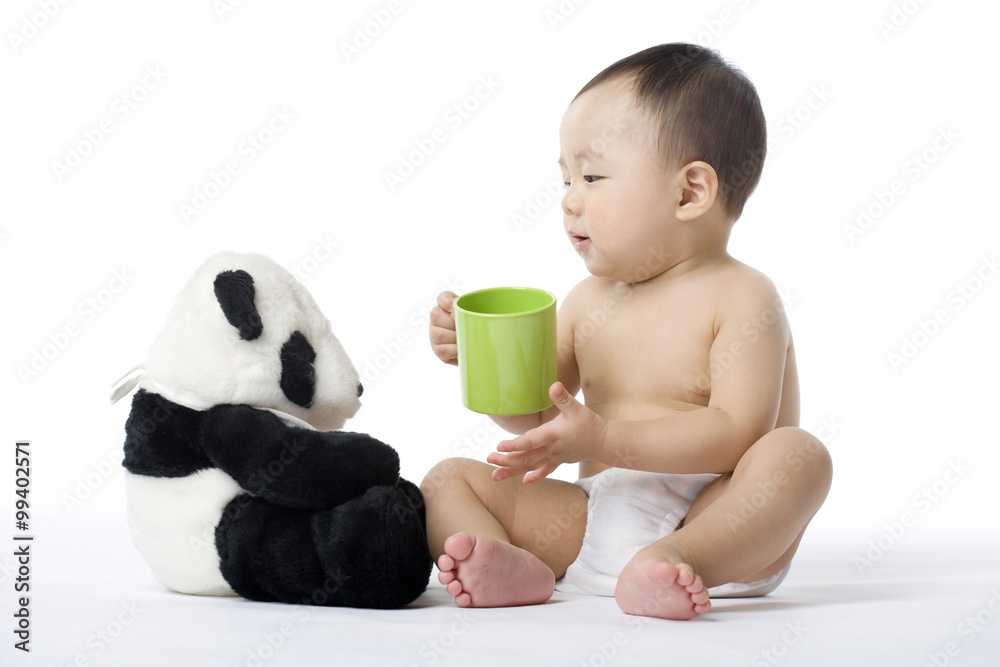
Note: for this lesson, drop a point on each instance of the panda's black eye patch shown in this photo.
(298, 377)
(235, 291)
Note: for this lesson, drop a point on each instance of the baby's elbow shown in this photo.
(746, 432)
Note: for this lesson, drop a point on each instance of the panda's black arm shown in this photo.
(294, 467)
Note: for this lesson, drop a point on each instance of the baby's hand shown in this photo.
(444, 341)
(577, 434)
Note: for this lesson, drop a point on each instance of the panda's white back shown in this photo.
(173, 520)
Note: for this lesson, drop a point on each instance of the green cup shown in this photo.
(506, 349)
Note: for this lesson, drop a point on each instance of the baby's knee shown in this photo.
(451, 471)
(802, 453)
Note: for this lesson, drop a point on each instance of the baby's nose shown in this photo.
(565, 206)
(570, 203)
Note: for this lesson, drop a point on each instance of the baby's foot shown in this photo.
(657, 587)
(480, 571)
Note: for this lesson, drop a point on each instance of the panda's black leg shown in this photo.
(376, 547)
(266, 552)
(370, 551)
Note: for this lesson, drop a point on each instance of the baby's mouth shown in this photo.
(579, 241)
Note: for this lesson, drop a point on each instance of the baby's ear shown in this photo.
(699, 185)
(235, 292)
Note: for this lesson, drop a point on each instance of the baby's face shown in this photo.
(618, 207)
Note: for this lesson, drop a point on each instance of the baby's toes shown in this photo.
(695, 585)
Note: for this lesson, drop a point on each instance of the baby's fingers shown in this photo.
(442, 319)
(512, 460)
(443, 336)
(444, 341)
(446, 300)
(502, 473)
(540, 473)
(522, 443)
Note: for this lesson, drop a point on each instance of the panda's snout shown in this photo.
(361, 389)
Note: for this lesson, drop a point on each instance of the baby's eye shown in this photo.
(565, 184)
(591, 179)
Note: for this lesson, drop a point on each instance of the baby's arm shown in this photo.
(743, 407)
(444, 343)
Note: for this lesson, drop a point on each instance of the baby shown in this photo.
(695, 480)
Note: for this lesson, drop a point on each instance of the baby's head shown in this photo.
(667, 136)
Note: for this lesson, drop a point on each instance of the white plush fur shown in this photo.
(173, 521)
(200, 355)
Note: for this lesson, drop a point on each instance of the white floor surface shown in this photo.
(924, 600)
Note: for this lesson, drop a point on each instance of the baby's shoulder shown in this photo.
(738, 281)
(742, 291)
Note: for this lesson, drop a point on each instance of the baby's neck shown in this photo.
(684, 266)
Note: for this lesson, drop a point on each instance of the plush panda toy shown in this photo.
(238, 482)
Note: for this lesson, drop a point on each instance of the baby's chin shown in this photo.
(614, 276)
(597, 268)
(619, 274)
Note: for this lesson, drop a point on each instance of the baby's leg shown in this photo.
(500, 543)
(743, 527)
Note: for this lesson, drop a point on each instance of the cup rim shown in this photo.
(552, 301)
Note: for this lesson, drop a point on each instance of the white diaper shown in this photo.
(628, 510)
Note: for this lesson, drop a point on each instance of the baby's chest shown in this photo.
(647, 353)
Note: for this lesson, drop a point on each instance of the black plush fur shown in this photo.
(235, 292)
(298, 376)
(294, 467)
(161, 438)
(357, 554)
(327, 520)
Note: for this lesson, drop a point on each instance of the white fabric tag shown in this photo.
(128, 382)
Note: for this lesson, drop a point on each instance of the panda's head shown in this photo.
(245, 331)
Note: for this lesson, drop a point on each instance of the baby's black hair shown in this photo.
(706, 109)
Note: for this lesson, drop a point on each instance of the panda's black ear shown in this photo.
(235, 292)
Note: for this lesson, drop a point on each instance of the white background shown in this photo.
(848, 106)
